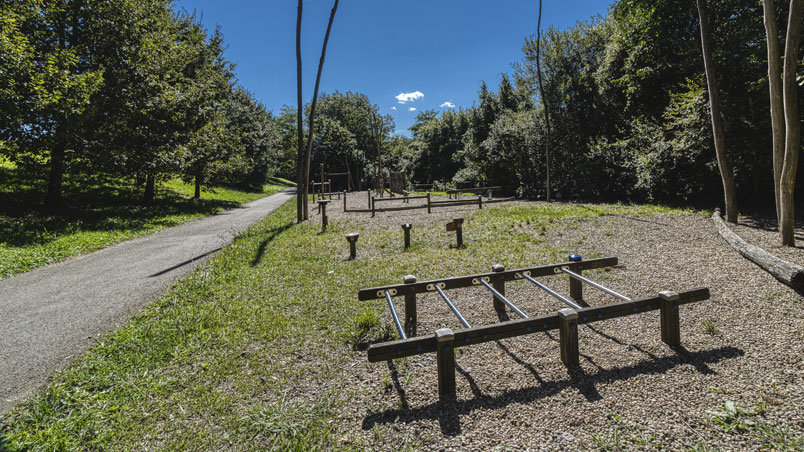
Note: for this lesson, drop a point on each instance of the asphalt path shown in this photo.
(52, 314)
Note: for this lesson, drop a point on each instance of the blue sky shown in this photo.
(435, 51)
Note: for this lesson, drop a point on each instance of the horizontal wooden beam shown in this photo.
(476, 189)
(513, 328)
(473, 280)
(398, 198)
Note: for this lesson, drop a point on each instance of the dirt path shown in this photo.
(54, 313)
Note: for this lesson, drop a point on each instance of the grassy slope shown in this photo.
(242, 354)
(102, 213)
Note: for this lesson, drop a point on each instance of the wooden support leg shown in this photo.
(499, 286)
(445, 357)
(568, 335)
(576, 289)
(671, 331)
(410, 308)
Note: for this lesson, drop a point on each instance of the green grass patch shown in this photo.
(97, 213)
(253, 350)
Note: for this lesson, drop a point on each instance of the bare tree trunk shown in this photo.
(776, 108)
(377, 126)
(726, 173)
(792, 124)
(56, 178)
(311, 119)
(544, 100)
(199, 178)
(150, 189)
(301, 192)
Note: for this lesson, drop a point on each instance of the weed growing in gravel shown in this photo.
(701, 447)
(780, 440)
(625, 437)
(732, 418)
(709, 327)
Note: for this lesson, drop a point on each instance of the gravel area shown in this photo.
(631, 391)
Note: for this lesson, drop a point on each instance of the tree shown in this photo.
(544, 103)
(311, 117)
(51, 85)
(776, 107)
(726, 172)
(301, 187)
(787, 180)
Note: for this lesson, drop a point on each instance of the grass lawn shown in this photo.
(252, 351)
(97, 213)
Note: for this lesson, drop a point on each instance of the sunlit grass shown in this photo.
(97, 213)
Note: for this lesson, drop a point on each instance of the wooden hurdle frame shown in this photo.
(430, 205)
(566, 320)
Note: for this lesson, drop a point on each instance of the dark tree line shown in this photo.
(628, 107)
(125, 88)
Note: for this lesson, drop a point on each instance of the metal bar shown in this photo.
(503, 299)
(449, 303)
(595, 285)
(469, 280)
(551, 292)
(393, 313)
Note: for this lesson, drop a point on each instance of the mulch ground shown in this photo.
(631, 392)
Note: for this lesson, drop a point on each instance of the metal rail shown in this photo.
(551, 292)
(503, 299)
(595, 285)
(449, 303)
(393, 313)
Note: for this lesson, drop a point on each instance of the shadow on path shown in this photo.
(188, 261)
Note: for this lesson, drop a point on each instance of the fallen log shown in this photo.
(786, 272)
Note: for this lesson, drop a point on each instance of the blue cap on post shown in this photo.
(575, 257)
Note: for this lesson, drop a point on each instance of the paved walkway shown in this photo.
(51, 314)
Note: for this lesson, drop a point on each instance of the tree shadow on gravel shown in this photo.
(448, 411)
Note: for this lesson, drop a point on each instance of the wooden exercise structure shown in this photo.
(566, 320)
(454, 192)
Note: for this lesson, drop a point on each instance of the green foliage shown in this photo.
(96, 214)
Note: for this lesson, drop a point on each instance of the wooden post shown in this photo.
(671, 331)
(445, 358)
(480, 202)
(344, 201)
(428, 202)
(329, 186)
(568, 336)
(406, 227)
(348, 181)
(368, 195)
(352, 239)
(372, 206)
(322, 206)
(499, 286)
(410, 307)
(322, 176)
(458, 232)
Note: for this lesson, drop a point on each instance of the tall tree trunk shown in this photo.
(792, 124)
(311, 121)
(544, 101)
(776, 108)
(726, 173)
(56, 177)
(301, 190)
(150, 186)
(199, 178)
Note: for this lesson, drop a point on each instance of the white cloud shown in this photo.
(412, 109)
(447, 104)
(393, 108)
(408, 97)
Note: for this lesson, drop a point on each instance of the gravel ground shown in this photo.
(631, 392)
